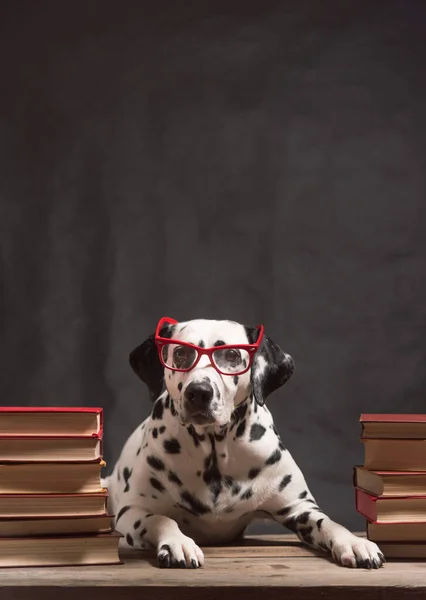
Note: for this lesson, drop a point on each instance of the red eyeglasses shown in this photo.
(233, 359)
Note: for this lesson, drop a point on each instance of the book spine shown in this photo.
(366, 505)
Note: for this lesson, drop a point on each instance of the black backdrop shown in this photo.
(263, 162)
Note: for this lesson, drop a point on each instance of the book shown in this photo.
(394, 455)
(396, 532)
(59, 551)
(391, 510)
(50, 478)
(50, 420)
(401, 426)
(42, 526)
(403, 550)
(390, 483)
(58, 449)
(36, 505)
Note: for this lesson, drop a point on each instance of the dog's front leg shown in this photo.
(174, 549)
(294, 507)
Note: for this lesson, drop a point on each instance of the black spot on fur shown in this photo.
(303, 518)
(219, 437)
(155, 433)
(173, 478)
(247, 494)
(257, 431)
(129, 539)
(198, 473)
(197, 507)
(171, 446)
(319, 523)
(162, 429)
(303, 494)
(137, 524)
(195, 436)
(284, 482)
(155, 463)
(149, 515)
(283, 511)
(143, 532)
(281, 445)
(158, 410)
(228, 481)
(172, 409)
(127, 474)
(241, 428)
(121, 512)
(118, 475)
(219, 343)
(167, 402)
(138, 451)
(157, 485)
(235, 379)
(180, 386)
(253, 473)
(201, 344)
(212, 476)
(274, 458)
(291, 524)
(235, 489)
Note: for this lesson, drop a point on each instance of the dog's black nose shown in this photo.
(199, 394)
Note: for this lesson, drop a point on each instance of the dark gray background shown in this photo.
(263, 162)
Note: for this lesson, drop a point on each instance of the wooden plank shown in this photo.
(273, 566)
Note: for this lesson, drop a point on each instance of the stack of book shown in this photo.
(53, 510)
(390, 489)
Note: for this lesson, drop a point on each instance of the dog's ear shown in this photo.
(146, 364)
(271, 367)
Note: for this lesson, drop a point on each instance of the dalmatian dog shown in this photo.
(209, 460)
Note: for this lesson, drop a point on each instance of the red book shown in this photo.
(407, 509)
(402, 426)
(51, 421)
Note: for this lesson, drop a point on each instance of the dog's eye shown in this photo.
(183, 357)
(232, 356)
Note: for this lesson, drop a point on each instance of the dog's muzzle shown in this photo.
(198, 398)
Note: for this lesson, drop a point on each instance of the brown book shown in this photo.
(37, 505)
(396, 532)
(394, 455)
(50, 478)
(390, 483)
(59, 551)
(401, 426)
(50, 420)
(25, 527)
(47, 449)
(391, 510)
(403, 550)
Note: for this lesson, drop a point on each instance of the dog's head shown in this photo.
(205, 395)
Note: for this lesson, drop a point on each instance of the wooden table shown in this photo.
(263, 568)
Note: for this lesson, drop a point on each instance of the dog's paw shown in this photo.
(352, 551)
(179, 552)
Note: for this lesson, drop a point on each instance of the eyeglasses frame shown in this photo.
(162, 341)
